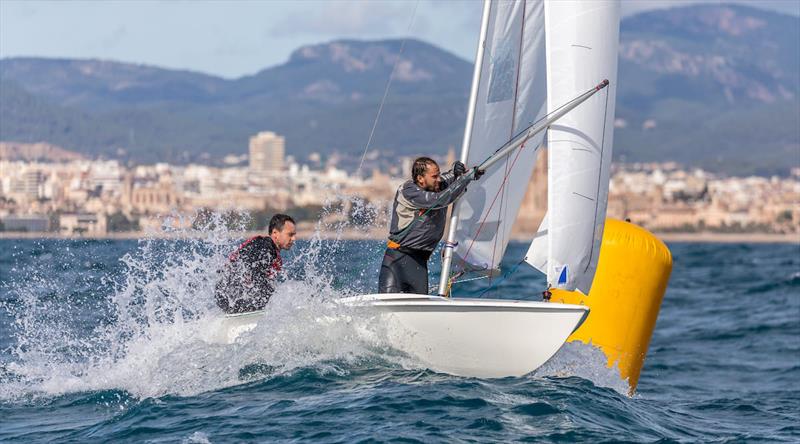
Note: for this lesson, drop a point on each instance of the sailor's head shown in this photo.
(282, 230)
(425, 173)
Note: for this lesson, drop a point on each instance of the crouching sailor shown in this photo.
(419, 216)
(248, 279)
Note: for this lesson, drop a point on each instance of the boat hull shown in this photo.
(486, 338)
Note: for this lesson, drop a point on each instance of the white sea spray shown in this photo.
(150, 330)
(585, 361)
(161, 313)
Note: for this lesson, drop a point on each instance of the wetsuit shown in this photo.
(248, 278)
(417, 226)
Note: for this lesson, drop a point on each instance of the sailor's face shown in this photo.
(431, 180)
(284, 239)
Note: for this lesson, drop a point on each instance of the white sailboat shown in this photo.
(540, 65)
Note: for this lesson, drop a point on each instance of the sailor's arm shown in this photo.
(421, 199)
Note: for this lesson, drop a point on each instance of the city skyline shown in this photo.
(101, 197)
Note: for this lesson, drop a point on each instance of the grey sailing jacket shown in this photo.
(419, 216)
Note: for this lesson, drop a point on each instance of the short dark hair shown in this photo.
(419, 167)
(278, 221)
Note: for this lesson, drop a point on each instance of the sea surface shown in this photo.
(100, 342)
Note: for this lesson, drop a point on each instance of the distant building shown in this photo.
(107, 176)
(28, 184)
(31, 223)
(267, 151)
(83, 223)
(159, 197)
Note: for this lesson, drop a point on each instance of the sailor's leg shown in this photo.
(389, 278)
(416, 270)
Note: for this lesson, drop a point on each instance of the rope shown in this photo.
(508, 172)
(483, 222)
(496, 283)
(386, 90)
(471, 279)
(599, 177)
(449, 189)
(531, 124)
(436, 287)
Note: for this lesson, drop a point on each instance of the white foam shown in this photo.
(584, 361)
(163, 309)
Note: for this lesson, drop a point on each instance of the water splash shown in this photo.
(148, 327)
(584, 361)
(148, 334)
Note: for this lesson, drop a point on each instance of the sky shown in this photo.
(234, 38)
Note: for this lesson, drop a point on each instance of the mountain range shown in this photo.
(714, 86)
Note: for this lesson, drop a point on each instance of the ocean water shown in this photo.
(102, 341)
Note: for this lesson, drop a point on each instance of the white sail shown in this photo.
(582, 40)
(511, 95)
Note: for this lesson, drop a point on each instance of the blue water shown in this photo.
(99, 342)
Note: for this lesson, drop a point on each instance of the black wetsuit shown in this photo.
(417, 226)
(248, 278)
(404, 271)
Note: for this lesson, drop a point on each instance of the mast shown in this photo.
(447, 256)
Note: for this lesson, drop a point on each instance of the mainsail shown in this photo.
(582, 40)
(511, 95)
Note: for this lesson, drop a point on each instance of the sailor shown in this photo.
(418, 220)
(248, 279)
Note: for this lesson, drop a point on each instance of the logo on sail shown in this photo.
(562, 276)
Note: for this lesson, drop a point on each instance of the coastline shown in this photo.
(729, 238)
(379, 234)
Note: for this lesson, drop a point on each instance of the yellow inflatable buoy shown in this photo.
(625, 297)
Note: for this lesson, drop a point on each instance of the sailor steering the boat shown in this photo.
(419, 216)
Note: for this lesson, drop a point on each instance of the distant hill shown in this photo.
(324, 98)
(714, 86)
(36, 152)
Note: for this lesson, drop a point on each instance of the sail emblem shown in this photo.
(562, 277)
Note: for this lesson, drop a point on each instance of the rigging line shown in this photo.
(420, 217)
(505, 177)
(480, 227)
(504, 211)
(471, 279)
(436, 287)
(388, 84)
(504, 198)
(496, 283)
(543, 118)
(599, 178)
